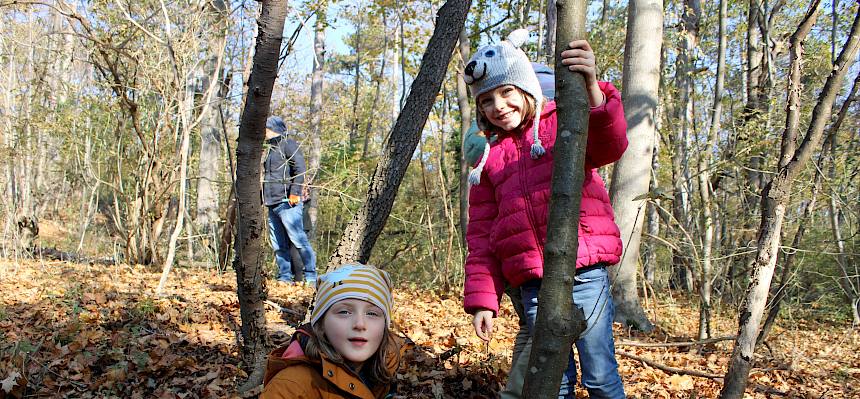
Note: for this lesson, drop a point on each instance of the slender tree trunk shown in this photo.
(781, 291)
(356, 84)
(705, 274)
(849, 281)
(551, 23)
(631, 174)
(559, 321)
(186, 112)
(315, 153)
(777, 192)
(250, 275)
(380, 76)
(210, 128)
(400, 103)
(681, 261)
(361, 233)
(604, 12)
(465, 123)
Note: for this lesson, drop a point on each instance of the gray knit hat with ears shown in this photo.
(504, 64)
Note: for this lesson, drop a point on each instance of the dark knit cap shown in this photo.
(276, 124)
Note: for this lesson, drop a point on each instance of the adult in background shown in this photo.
(282, 190)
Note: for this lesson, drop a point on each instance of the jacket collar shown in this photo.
(343, 377)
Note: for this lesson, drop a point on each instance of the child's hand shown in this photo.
(580, 58)
(483, 323)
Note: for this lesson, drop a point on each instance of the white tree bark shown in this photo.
(632, 173)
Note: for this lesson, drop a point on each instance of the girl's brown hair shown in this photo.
(528, 111)
(377, 370)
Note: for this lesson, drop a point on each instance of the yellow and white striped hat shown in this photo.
(353, 281)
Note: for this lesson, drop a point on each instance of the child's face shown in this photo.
(355, 329)
(503, 107)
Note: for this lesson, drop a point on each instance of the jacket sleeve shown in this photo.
(607, 130)
(484, 282)
(296, 162)
(289, 385)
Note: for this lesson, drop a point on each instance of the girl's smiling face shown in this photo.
(355, 329)
(503, 107)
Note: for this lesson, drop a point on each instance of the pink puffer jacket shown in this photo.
(508, 210)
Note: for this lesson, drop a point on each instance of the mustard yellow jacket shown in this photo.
(292, 375)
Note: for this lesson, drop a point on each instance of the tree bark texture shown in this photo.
(465, 123)
(849, 280)
(777, 193)
(315, 153)
(361, 233)
(632, 173)
(705, 279)
(210, 128)
(681, 137)
(551, 23)
(250, 276)
(559, 321)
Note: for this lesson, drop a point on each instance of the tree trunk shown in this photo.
(849, 281)
(465, 123)
(362, 231)
(250, 275)
(681, 261)
(210, 130)
(559, 321)
(631, 174)
(315, 153)
(380, 76)
(705, 279)
(777, 192)
(356, 85)
(551, 23)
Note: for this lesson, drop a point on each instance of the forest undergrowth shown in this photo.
(78, 330)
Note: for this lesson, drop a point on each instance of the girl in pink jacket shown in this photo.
(509, 202)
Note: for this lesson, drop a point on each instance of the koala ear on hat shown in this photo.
(518, 37)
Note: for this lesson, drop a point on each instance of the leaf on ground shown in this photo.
(10, 381)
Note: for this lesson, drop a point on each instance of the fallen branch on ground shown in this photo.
(694, 373)
(670, 370)
(672, 344)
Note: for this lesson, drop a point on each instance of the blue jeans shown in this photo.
(596, 346)
(285, 226)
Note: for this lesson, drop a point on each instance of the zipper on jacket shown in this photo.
(529, 209)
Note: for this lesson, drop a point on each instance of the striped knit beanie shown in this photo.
(353, 281)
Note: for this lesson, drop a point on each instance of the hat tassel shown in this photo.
(475, 174)
(537, 148)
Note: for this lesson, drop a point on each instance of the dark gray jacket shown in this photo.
(284, 170)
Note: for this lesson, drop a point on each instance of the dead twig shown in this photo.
(695, 373)
(672, 344)
(670, 370)
(283, 309)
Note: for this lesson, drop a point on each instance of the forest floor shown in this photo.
(77, 330)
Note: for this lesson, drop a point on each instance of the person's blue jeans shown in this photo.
(596, 346)
(285, 226)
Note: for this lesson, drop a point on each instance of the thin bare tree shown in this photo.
(362, 231)
(794, 154)
(250, 275)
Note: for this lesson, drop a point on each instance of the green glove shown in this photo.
(473, 146)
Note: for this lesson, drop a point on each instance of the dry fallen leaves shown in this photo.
(95, 331)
